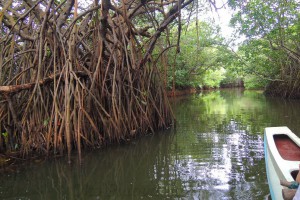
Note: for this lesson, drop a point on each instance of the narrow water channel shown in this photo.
(215, 152)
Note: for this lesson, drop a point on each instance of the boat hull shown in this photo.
(281, 147)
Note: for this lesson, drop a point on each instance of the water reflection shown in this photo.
(215, 152)
(143, 169)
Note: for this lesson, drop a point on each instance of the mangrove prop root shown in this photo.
(71, 80)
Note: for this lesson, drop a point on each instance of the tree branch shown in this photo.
(12, 89)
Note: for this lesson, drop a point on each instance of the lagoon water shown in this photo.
(215, 152)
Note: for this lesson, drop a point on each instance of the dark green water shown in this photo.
(214, 152)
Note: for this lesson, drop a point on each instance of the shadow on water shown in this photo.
(135, 171)
(215, 152)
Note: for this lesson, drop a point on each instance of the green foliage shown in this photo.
(260, 60)
(254, 82)
(202, 58)
(258, 18)
(213, 78)
(5, 135)
(232, 75)
(271, 51)
(46, 122)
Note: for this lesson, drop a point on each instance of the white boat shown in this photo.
(282, 157)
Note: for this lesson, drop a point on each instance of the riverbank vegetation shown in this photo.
(271, 52)
(78, 75)
(268, 58)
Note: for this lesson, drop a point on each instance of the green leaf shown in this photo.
(5, 134)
